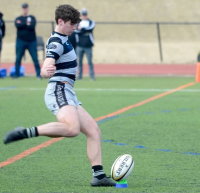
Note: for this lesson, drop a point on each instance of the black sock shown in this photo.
(97, 172)
(30, 132)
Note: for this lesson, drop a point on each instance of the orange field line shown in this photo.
(145, 101)
(29, 151)
(54, 140)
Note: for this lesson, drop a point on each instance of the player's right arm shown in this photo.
(54, 50)
(48, 68)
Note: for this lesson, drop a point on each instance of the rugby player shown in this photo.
(60, 67)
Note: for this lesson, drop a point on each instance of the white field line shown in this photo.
(103, 90)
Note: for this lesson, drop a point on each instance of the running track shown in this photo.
(128, 69)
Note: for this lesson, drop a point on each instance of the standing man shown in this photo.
(60, 67)
(85, 41)
(26, 39)
(2, 33)
(72, 39)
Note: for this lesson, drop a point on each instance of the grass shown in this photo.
(162, 136)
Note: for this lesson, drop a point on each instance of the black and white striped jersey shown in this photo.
(59, 48)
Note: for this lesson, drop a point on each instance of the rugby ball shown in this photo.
(122, 167)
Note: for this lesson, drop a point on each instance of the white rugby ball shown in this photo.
(122, 167)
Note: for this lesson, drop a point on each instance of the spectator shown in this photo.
(2, 32)
(72, 40)
(26, 39)
(85, 42)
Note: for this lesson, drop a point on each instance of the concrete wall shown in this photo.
(120, 43)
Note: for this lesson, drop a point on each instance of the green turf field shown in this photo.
(162, 136)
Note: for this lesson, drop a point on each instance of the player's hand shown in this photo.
(18, 21)
(50, 70)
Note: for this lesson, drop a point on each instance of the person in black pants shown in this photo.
(85, 42)
(26, 39)
(72, 40)
(2, 33)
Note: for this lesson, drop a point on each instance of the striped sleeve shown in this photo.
(54, 48)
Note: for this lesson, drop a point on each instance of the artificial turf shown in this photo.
(161, 135)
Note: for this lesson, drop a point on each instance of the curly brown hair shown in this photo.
(67, 13)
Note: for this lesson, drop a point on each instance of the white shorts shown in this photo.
(59, 94)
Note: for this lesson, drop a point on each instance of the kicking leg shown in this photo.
(68, 126)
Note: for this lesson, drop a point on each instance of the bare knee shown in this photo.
(95, 132)
(71, 131)
(75, 132)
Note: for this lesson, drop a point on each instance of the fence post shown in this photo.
(159, 41)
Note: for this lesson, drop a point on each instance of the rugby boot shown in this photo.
(103, 182)
(15, 135)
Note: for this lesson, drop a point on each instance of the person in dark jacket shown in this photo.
(26, 39)
(72, 40)
(85, 42)
(2, 32)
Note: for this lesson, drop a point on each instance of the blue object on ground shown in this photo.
(121, 184)
(21, 71)
(3, 72)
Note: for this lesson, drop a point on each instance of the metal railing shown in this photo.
(157, 25)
